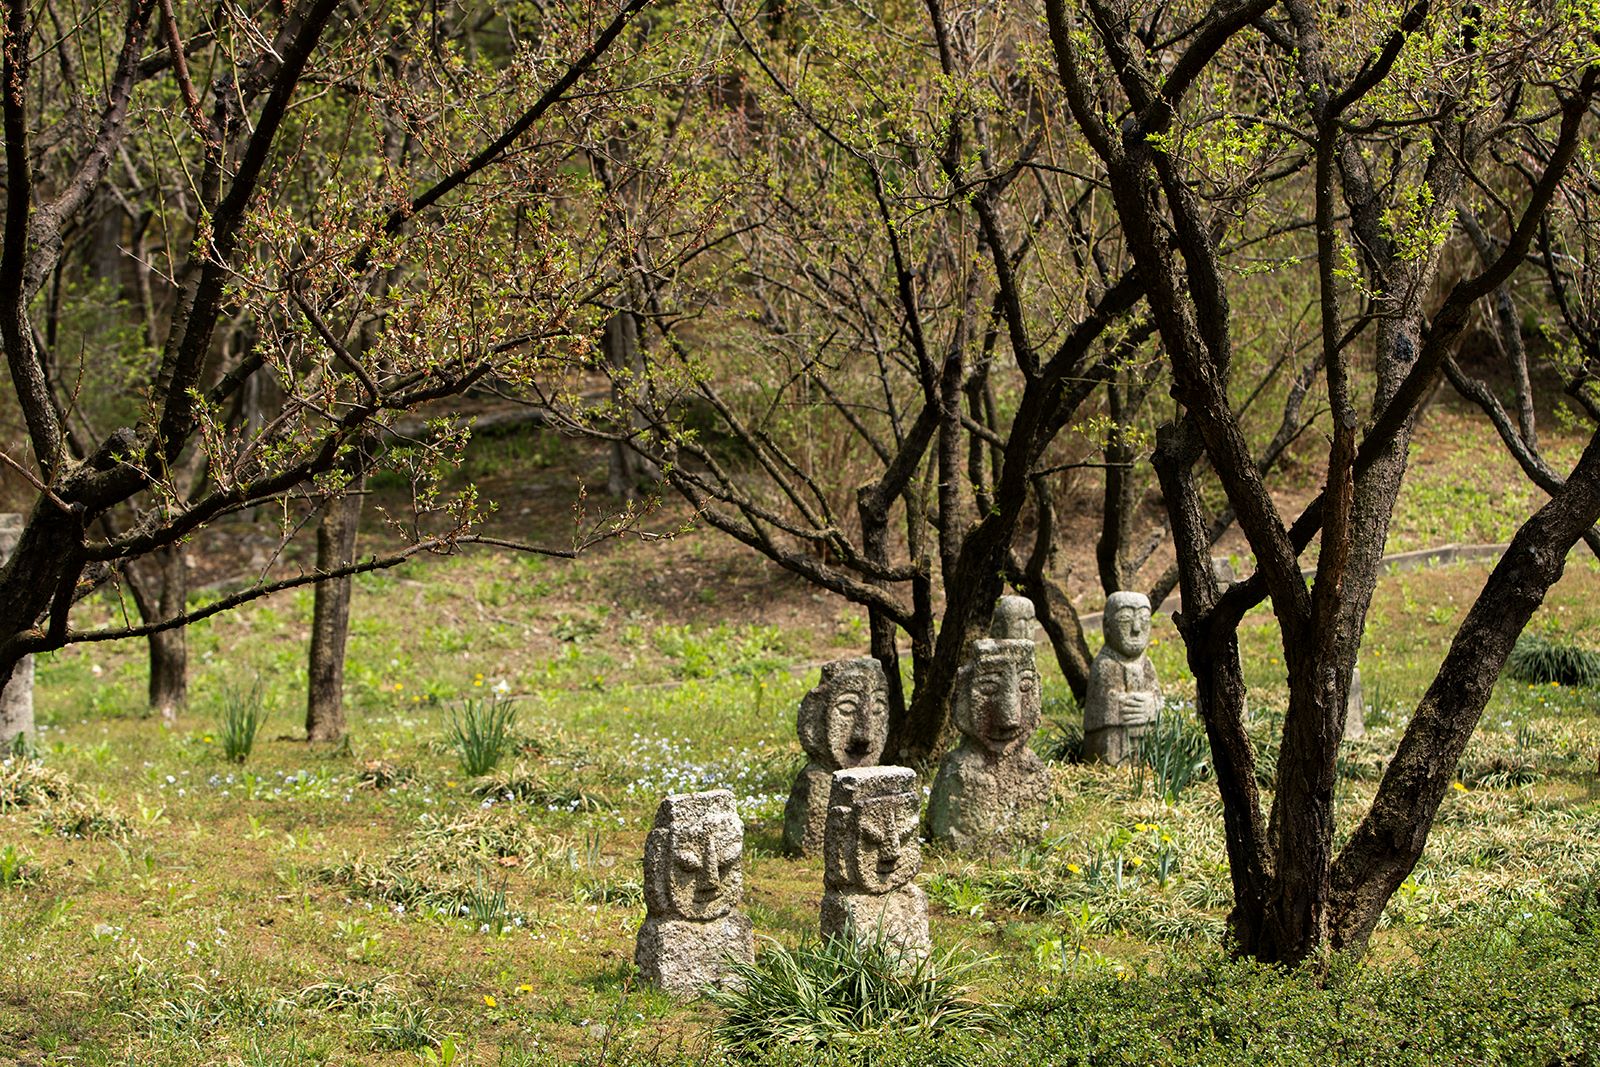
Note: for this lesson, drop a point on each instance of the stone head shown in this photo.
(1126, 624)
(997, 695)
(844, 721)
(872, 843)
(1013, 619)
(694, 857)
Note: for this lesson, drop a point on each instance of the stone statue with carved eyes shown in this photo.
(871, 858)
(991, 790)
(1124, 695)
(842, 723)
(693, 885)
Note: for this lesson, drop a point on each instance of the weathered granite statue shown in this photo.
(990, 789)
(1123, 693)
(1014, 619)
(871, 856)
(693, 885)
(843, 723)
(16, 699)
(1355, 711)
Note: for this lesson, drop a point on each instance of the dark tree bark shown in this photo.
(330, 617)
(627, 469)
(1051, 605)
(1293, 897)
(169, 649)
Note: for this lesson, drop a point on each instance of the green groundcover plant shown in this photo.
(1521, 990)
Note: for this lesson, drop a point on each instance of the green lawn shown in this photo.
(361, 905)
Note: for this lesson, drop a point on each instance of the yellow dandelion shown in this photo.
(477, 681)
(1073, 868)
(489, 1000)
(524, 988)
(399, 686)
(1135, 861)
(1458, 787)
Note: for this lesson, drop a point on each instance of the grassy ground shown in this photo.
(160, 904)
(163, 905)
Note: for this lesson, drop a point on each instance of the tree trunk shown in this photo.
(330, 617)
(627, 469)
(1051, 605)
(16, 694)
(1385, 847)
(169, 649)
(1110, 551)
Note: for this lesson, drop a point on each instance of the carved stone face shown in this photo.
(887, 853)
(997, 703)
(1127, 624)
(702, 869)
(1013, 619)
(844, 721)
(694, 858)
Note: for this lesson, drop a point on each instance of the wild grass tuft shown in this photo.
(840, 993)
(1539, 661)
(1061, 741)
(14, 869)
(240, 719)
(1176, 752)
(481, 733)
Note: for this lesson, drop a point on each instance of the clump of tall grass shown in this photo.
(1176, 752)
(1061, 741)
(481, 733)
(1540, 661)
(841, 992)
(239, 721)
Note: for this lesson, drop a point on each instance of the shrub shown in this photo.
(481, 733)
(842, 993)
(1539, 661)
(240, 721)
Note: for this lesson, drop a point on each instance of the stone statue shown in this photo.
(843, 723)
(1013, 619)
(870, 858)
(993, 786)
(16, 699)
(1123, 693)
(693, 885)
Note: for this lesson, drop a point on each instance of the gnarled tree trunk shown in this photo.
(16, 694)
(330, 617)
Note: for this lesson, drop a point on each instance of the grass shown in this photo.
(241, 718)
(481, 734)
(1537, 660)
(840, 991)
(309, 906)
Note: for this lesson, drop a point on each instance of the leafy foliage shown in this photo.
(1176, 752)
(481, 733)
(841, 992)
(240, 719)
(1539, 661)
